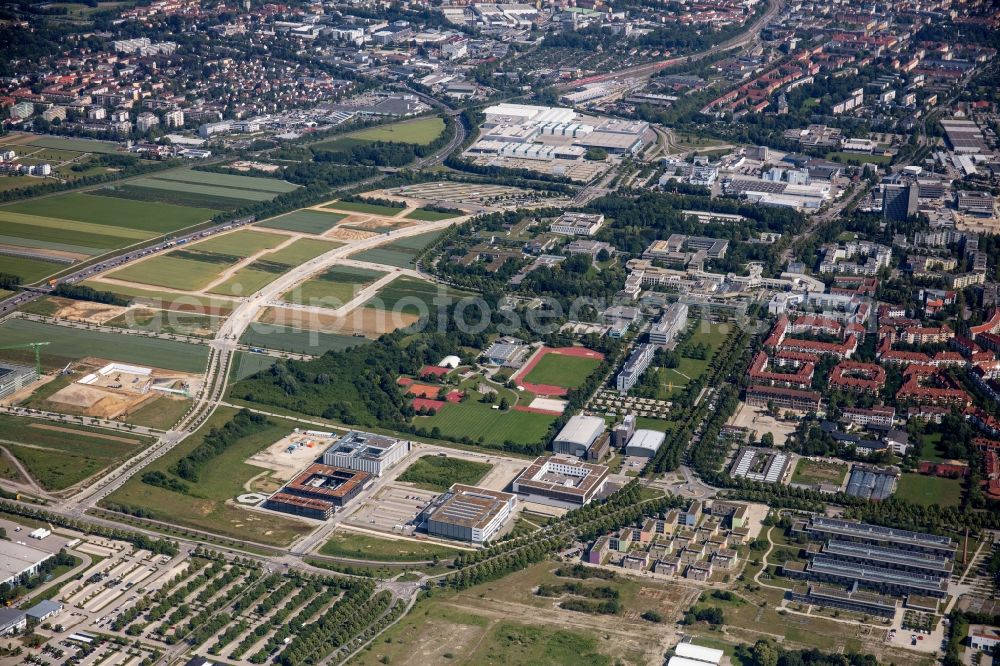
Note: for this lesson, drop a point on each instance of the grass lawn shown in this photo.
(247, 364)
(233, 181)
(304, 221)
(242, 243)
(565, 371)
(927, 490)
(60, 455)
(333, 288)
(71, 344)
(430, 215)
(78, 145)
(363, 207)
(171, 272)
(929, 449)
(168, 321)
(815, 472)
(421, 131)
(205, 507)
(479, 421)
(438, 473)
(858, 158)
(366, 547)
(647, 423)
(300, 251)
(154, 182)
(29, 270)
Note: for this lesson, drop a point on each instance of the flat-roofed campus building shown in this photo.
(15, 377)
(18, 560)
(318, 491)
(468, 513)
(366, 452)
(882, 560)
(561, 482)
(670, 325)
(756, 464)
(580, 436)
(645, 443)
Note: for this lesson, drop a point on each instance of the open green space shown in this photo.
(304, 221)
(70, 344)
(479, 421)
(161, 413)
(284, 338)
(858, 158)
(168, 321)
(816, 472)
(927, 490)
(112, 212)
(78, 145)
(429, 215)
(242, 243)
(400, 253)
(439, 473)
(565, 371)
(248, 363)
(205, 506)
(30, 270)
(930, 447)
(409, 295)
(300, 251)
(366, 547)
(363, 207)
(421, 131)
(647, 423)
(171, 272)
(60, 455)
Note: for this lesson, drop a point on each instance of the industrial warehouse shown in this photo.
(467, 513)
(561, 482)
(870, 569)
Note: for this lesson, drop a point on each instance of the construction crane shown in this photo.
(38, 354)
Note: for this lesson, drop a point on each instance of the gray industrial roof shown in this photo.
(581, 430)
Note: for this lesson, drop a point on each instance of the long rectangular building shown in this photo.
(366, 452)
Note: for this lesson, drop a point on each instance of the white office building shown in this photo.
(366, 452)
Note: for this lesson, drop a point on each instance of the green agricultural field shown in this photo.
(205, 506)
(362, 207)
(71, 344)
(165, 299)
(815, 472)
(85, 234)
(400, 253)
(304, 221)
(153, 183)
(112, 212)
(229, 181)
(30, 270)
(168, 321)
(300, 251)
(366, 547)
(439, 473)
(416, 242)
(333, 288)
(284, 338)
(564, 371)
(430, 215)
(411, 296)
(927, 490)
(170, 272)
(127, 190)
(421, 131)
(245, 281)
(242, 243)
(477, 420)
(60, 455)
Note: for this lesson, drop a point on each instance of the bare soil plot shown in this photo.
(343, 234)
(97, 313)
(361, 320)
